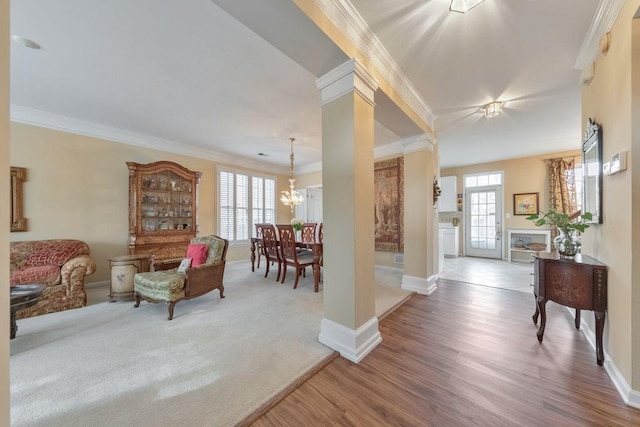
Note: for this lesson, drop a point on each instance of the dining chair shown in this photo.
(259, 248)
(320, 232)
(290, 256)
(270, 248)
(309, 232)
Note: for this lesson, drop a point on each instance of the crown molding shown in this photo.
(39, 118)
(417, 143)
(313, 167)
(603, 20)
(346, 78)
(346, 18)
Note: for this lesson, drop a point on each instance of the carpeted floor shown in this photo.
(215, 363)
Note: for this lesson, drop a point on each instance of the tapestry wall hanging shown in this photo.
(389, 204)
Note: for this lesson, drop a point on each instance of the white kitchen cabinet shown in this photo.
(448, 201)
(450, 237)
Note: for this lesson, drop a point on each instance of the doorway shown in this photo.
(483, 215)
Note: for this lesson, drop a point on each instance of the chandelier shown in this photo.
(292, 197)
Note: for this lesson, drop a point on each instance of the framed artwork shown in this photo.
(18, 221)
(525, 204)
(389, 204)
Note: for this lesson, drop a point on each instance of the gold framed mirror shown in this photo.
(18, 176)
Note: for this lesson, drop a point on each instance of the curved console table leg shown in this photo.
(599, 328)
(543, 318)
(577, 320)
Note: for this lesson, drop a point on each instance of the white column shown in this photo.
(349, 325)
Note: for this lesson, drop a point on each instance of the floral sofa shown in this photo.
(61, 265)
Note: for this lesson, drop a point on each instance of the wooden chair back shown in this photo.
(320, 232)
(309, 232)
(287, 243)
(270, 242)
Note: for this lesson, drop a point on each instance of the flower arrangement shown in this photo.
(562, 221)
(297, 224)
(566, 243)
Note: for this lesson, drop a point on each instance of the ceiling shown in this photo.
(227, 80)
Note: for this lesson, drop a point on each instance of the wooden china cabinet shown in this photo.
(163, 210)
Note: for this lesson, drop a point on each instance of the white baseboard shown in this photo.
(631, 397)
(353, 345)
(419, 285)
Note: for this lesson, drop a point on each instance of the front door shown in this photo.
(483, 227)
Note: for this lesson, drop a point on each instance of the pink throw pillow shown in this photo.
(198, 253)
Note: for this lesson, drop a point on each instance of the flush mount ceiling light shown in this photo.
(463, 6)
(25, 42)
(492, 109)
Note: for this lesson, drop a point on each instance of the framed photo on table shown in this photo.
(525, 204)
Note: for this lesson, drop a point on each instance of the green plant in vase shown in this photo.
(567, 243)
(298, 225)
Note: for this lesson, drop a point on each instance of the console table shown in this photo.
(579, 282)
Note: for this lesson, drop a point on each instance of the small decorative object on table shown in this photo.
(567, 243)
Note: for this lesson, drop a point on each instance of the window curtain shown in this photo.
(562, 186)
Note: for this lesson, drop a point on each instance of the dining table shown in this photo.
(316, 250)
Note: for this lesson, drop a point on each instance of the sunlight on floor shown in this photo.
(515, 276)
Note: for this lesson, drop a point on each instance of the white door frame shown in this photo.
(464, 211)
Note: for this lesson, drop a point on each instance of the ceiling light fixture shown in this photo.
(463, 6)
(25, 42)
(492, 109)
(292, 197)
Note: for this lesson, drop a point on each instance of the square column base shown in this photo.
(419, 285)
(353, 345)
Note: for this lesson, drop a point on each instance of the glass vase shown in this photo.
(567, 243)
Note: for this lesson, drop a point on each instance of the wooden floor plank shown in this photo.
(466, 355)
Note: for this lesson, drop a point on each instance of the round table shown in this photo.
(23, 296)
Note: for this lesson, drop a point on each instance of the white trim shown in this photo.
(418, 143)
(347, 19)
(62, 123)
(348, 77)
(631, 397)
(603, 20)
(420, 285)
(313, 167)
(352, 345)
(388, 150)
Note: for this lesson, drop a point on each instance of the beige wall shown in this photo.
(4, 213)
(313, 179)
(608, 101)
(523, 175)
(77, 187)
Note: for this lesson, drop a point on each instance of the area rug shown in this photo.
(213, 365)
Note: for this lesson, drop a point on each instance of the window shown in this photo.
(483, 180)
(245, 199)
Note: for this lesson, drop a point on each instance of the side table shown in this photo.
(123, 268)
(23, 296)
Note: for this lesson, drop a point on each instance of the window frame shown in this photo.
(250, 231)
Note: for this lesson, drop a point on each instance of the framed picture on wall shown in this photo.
(525, 203)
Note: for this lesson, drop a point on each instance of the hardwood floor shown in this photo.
(466, 355)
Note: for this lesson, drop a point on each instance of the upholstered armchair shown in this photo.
(173, 286)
